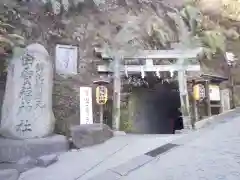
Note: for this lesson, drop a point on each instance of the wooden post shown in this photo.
(116, 94)
(184, 98)
(194, 115)
(232, 86)
(208, 102)
(101, 113)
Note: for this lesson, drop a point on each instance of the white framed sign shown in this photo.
(225, 100)
(86, 112)
(66, 59)
(214, 93)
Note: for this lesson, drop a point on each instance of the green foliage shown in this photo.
(230, 9)
(125, 123)
(213, 40)
(193, 17)
(128, 112)
(8, 39)
(190, 31)
(158, 32)
(143, 31)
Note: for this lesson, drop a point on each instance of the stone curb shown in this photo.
(202, 123)
(124, 169)
(135, 163)
(207, 125)
(206, 121)
(119, 133)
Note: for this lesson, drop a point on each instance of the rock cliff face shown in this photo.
(88, 25)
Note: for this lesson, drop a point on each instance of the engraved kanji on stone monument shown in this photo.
(27, 105)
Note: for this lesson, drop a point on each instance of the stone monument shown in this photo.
(27, 105)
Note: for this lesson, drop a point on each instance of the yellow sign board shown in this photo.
(101, 95)
(198, 92)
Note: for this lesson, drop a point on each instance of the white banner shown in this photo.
(86, 113)
(66, 59)
(214, 93)
(225, 100)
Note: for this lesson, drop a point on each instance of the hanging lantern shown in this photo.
(101, 95)
(199, 92)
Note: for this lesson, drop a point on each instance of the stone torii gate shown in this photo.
(149, 56)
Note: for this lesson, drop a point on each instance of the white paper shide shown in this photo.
(86, 113)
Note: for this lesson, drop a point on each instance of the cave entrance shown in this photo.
(155, 108)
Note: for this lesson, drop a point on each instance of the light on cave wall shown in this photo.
(126, 72)
(171, 73)
(142, 72)
(158, 74)
(230, 58)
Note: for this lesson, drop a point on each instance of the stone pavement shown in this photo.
(209, 154)
(89, 162)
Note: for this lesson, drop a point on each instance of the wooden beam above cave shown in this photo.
(154, 68)
(154, 54)
(151, 55)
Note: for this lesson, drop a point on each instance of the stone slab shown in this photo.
(47, 160)
(107, 175)
(119, 133)
(21, 166)
(9, 174)
(13, 150)
(90, 134)
(132, 165)
(28, 163)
